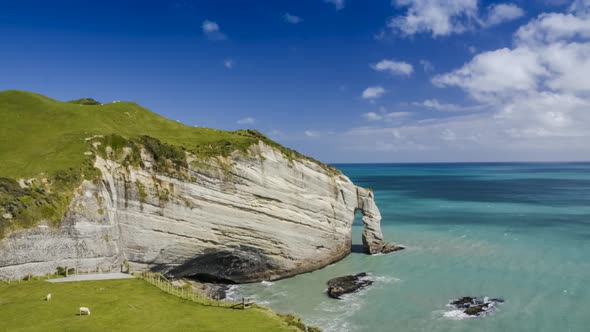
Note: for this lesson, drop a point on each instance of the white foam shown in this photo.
(381, 279)
(456, 315)
(280, 294)
(336, 326)
(384, 279)
(266, 283)
(231, 293)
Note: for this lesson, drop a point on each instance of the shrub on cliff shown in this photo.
(85, 101)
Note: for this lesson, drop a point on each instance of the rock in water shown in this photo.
(475, 306)
(476, 310)
(373, 242)
(347, 284)
(463, 302)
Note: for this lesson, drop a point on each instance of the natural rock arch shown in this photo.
(372, 236)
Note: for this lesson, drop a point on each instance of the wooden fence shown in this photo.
(188, 293)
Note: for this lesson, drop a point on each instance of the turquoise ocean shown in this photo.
(520, 232)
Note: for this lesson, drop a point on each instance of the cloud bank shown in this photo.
(532, 100)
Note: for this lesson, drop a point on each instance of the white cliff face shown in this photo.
(256, 217)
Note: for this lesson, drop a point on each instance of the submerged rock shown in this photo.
(347, 284)
(475, 306)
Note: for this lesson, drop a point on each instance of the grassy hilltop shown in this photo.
(42, 135)
(50, 142)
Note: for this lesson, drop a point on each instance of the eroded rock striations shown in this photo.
(248, 217)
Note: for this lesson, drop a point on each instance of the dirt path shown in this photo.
(87, 277)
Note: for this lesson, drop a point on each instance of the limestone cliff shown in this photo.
(242, 218)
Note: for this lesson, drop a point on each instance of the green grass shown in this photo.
(42, 135)
(121, 305)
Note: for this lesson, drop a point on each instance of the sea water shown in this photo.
(520, 232)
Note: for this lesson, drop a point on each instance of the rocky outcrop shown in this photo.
(248, 217)
(340, 286)
(475, 306)
(373, 242)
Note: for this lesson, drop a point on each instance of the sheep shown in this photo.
(48, 297)
(84, 310)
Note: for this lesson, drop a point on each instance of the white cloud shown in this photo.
(209, 27)
(440, 18)
(446, 17)
(492, 74)
(373, 92)
(229, 63)
(212, 31)
(549, 28)
(533, 103)
(503, 12)
(292, 18)
(311, 133)
(547, 56)
(396, 115)
(394, 67)
(427, 66)
(247, 121)
(447, 107)
(338, 4)
(372, 116)
(383, 115)
(519, 131)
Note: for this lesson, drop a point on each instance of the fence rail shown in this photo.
(187, 293)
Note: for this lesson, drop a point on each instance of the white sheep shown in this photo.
(84, 310)
(48, 297)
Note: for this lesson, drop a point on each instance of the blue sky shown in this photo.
(340, 80)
